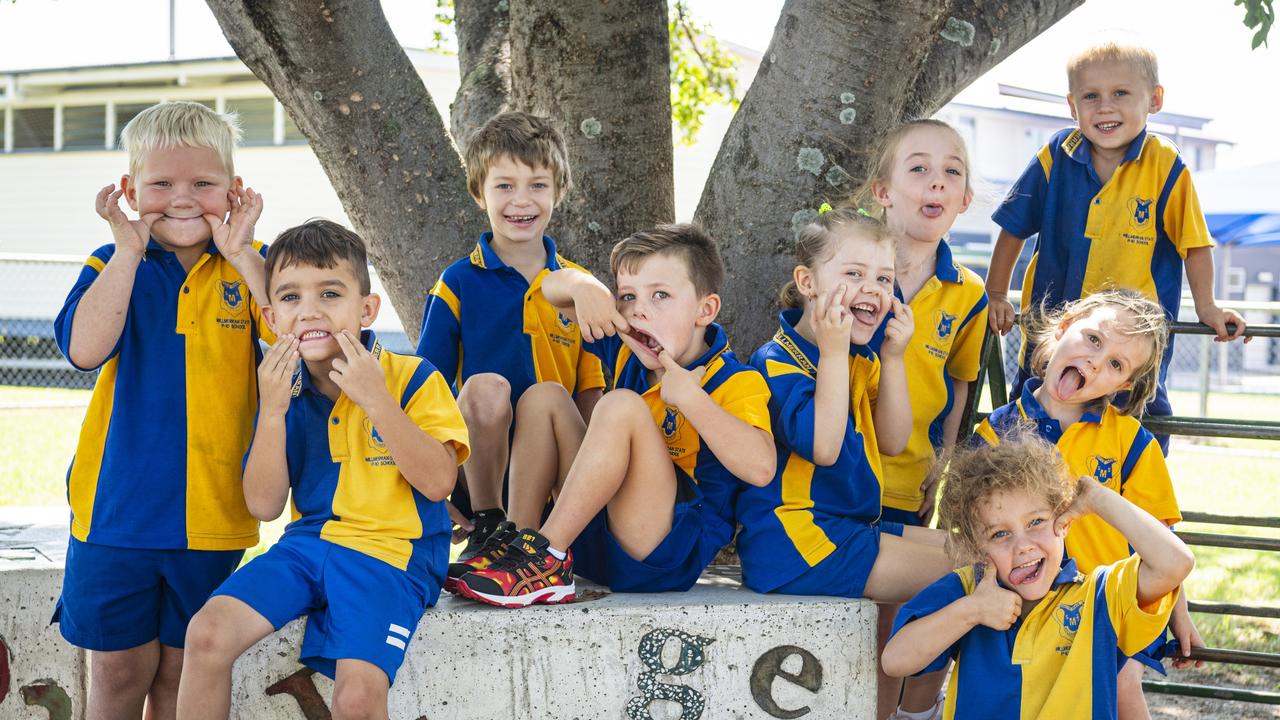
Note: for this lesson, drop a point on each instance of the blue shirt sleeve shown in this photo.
(440, 342)
(791, 405)
(927, 602)
(62, 324)
(607, 349)
(1022, 212)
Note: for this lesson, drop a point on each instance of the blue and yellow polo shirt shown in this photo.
(1112, 448)
(807, 511)
(1133, 232)
(482, 316)
(346, 487)
(1059, 661)
(951, 317)
(158, 462)
(737, 388)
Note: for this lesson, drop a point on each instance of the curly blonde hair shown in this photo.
(1139, 316)
(970, 476)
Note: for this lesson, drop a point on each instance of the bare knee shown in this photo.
(485, 401)
(208, 640)
(359, 700)
(621, 405)
(544, 398)
(124, 673)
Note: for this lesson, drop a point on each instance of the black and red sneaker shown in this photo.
(493, 547)
(527, 574)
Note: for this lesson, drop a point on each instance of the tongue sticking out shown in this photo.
(1029, 573)
(1069, 382)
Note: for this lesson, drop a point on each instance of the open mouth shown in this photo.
(1107, 127)
(864, 312)
(313, 335)
(520, 220)
(1026, 573)
(645, 340)
(932, 210)
(1070, 380)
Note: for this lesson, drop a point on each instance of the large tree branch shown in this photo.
(484, 65)
(346, 82)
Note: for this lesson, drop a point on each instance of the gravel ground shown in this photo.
(1176, 707)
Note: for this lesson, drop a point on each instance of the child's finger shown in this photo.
(348, 347)
(668, 362)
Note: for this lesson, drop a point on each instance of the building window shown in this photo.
(84, 127)
(125, 113)
(257, 119)
(33, 129)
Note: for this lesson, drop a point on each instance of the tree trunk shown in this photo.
(837, 76)
(339, 72)
(484, 65)
(599, 70)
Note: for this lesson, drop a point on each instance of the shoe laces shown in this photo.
(514, 557)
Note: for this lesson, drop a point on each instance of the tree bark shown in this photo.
(484, 64)
(337, 69)
(837, 76)
(599, 70)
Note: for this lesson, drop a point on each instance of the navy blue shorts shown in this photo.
(675, 564)
(844, 572)
(901, 517)
(117, 598)
(358, 607)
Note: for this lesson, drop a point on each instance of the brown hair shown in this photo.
(319, 243)
(526, 138)
(686, 241)
(1141, 58)
(864, 196)
(815, 243)
(1139, 316)
(969, 477)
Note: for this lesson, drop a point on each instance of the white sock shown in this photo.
(557, 554)
(922, 715)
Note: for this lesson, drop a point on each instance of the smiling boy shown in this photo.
(648, 501)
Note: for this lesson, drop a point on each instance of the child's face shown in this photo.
(1093, 357)
(865, 268)
(180, 186)
(315, 304)
(662, 306)
(518, 200)
(927, 186)
(1111, 102)
(1021, 543)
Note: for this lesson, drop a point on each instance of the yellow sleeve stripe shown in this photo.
(986, 432)
(445, 293)
(1045, 156)
(776, 368)
(95, 262)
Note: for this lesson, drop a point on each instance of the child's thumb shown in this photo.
(986, 574)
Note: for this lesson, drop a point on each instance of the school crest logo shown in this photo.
(1102, 468)
(1068, 615)
(376, 443)
(1140, 209)
(671, 422)
(944, 322)
(232, 295)
(566, 322)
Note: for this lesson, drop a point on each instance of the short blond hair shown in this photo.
(1141, 58)
(529, 139)
(177, 124)
(816, 243)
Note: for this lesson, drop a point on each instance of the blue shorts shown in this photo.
(675, 564)
(901, 517)
(118, 598)
(844, 572)
(359, 607)
(1153, 655)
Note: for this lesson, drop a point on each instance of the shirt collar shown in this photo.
(483, 255)
(1035, 412)
(944, 265)
(717, 343)
(302, 376)
(1067, 574)
(1080, 151)
(801, 350)
(152, 246)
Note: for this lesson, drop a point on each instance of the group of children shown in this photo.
(822, 453)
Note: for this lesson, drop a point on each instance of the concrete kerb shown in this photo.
(718, 651)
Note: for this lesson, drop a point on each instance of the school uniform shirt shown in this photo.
(482, 316)
(808, 510)
(737, 388)
(1132, 232)
(346, 487)
(946, 347)
(1059, 661)
(158, 461)
(1113, 449)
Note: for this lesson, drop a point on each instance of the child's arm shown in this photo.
(915, 645)
(950, 428)
(234, 239)
(266, 471)
(1199, 264)
(429, 465)
(1005, 255)
(745, 451)
(1184, 629)
(1166, 560)
(590, 301)
(832, 322)
(893, 404)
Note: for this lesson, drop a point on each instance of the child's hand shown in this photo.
(678, 384)
(897, 333)
(994, 606)
(832, 322)
(128, 234)
(930, 489)
(1000, 312)
(1087, 490)
(275, 376)
(597, 312)
(1184, 629)
(1218, 318)
(359, 375)
(462, 527)
(233, 236)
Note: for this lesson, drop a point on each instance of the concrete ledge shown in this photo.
(718, 651)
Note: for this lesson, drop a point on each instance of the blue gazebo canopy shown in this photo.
(1242, 205)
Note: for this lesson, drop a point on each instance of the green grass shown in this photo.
(36, 443)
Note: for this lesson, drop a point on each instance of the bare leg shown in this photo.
(921, 693)
(485, 402)
(162, 698)
(888, 688)
(359, 691)
(119, 681)
(549, 431)
(223, 629)
(623, 464)
(1130, 702)
(586, 401)
(906, 565)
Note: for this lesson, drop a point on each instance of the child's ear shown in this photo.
(369, 309)
(1071, 103)
(880, 192)
(479, 201)
(270, 316)
(130, 191)
(237, 183)
(803, 278)
(708, 309)
(1157, 99)
(968, 198)
(1061, 329)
